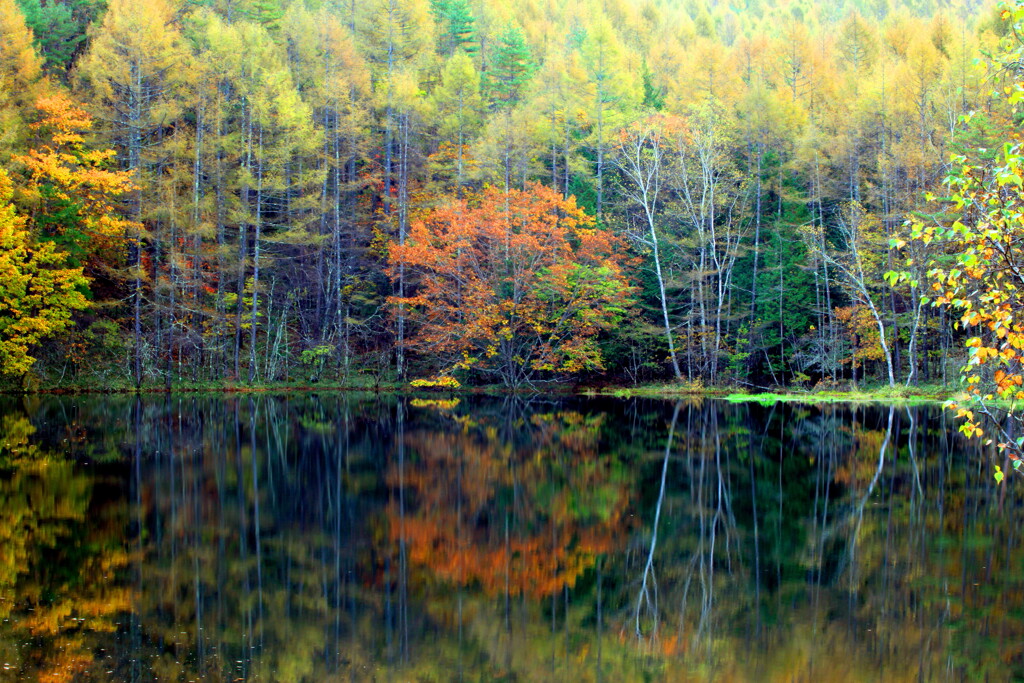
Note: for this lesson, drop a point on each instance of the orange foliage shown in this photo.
(63, 172)
(863, 334)
(512, 284)
(456, 527)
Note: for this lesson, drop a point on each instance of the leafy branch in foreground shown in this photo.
(979, 273)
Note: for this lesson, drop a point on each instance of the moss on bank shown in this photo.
(883, 394)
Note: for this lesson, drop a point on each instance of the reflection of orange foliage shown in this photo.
(72, 658)
(859, 467)
(463, 485)
(529, 565)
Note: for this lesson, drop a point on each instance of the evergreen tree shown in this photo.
(60, 28)
(132, 72)
(456, 26)
(510, 68)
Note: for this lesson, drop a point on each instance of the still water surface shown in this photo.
(343, 537)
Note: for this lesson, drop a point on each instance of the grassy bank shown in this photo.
(224, 386)
(881, 394)
(360, 383)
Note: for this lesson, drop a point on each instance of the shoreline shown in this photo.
(667, 392)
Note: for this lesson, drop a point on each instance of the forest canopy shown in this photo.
(268, 190)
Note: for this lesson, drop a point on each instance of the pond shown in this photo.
(350, 537)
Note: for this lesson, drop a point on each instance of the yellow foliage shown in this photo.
(37, 294)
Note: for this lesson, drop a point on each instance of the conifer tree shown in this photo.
(610, 89)
(20, 73)
(459, 107)
(456, 26)
(131, 71)
(60, 28)
(509, 69)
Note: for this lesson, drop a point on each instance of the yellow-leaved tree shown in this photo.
(978, 272)
(71, 193)
(21, 79)
(37, 294)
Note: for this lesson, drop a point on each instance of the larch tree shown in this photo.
(130, 72)
(459, 106)
(558, 127)
(277, 148)
(399, 33)
(611, 93)
(333, 79)
(275, 129)
(20, 77)
(766, 121)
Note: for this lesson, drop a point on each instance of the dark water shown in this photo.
(330, 538)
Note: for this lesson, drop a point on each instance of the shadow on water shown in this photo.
(348, 537)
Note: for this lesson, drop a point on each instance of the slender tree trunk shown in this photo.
(663, 298)
(403, 209)
(257, 226)
(135, 252)
(757, 245)
(600, 151)
(243, 248)
(829, 316)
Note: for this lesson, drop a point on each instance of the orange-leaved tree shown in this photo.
(516, 286)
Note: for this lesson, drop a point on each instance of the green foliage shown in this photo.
(511, 67)
(277, 147)
(457, 26)
(267, 13)
(316, 358)
(60, 28)
(982, 284)
(37, 294)
(654, 94)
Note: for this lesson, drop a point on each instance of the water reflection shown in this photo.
(343, 537)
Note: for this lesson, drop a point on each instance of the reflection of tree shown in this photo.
(524, 516)
(333, 538)
(928, 594)
(649, 583)
(60, 558)
(249, 554)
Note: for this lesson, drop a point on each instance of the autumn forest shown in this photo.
(487, 192)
